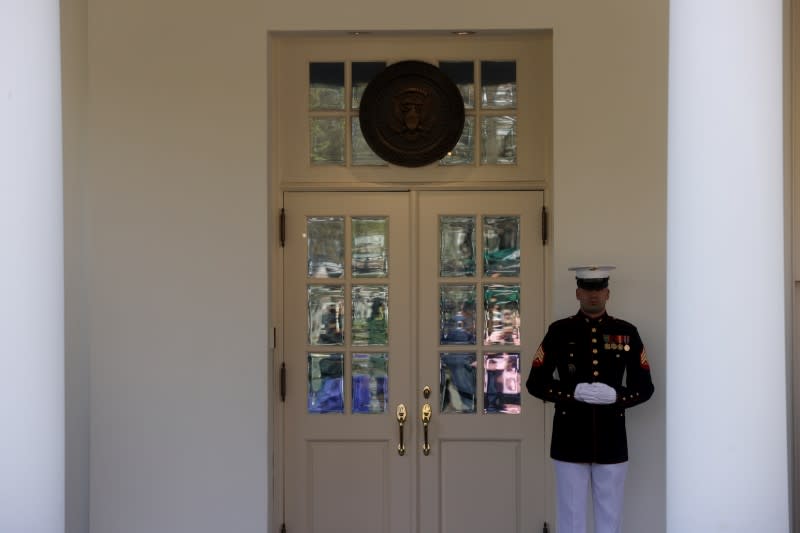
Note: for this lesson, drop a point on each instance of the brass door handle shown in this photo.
(426, 420)
(401, 420)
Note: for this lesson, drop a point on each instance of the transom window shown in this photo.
(335, 89)
(319, 79)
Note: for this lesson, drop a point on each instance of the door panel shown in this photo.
(390, 294)
(348, 361)
(485, 470)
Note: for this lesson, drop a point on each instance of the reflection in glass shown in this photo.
(462, 73)
(501, 383)
(457, 314)
(370, 243)
(463, 153)
(498, 140)
(325, 314)
(363, 72)
(457, 375)
(370, 315)
(501, 314)
(370, 382)
(326, 86)
(456, 246)
(327, 141)
(501, 253)
(362, 153)
(325, 383)
(498, 84)
(325, 239)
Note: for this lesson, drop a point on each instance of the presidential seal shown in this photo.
(411, 114)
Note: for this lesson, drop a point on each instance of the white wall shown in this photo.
(176, 234)
(176, 262)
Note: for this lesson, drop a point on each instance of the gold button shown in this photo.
(624, 398)
(571, 355)
(594, 330)
(595, 362)
(594, 341)
(594, 350)
(550, 391)
(563, 412)
(617, 356)
(596, 373)
(569, 395)
(559, 393)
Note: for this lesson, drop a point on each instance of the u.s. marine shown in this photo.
(580, 366)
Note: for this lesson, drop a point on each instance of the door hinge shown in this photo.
(283, 382)
(545, 528)
(544, 225)
(283, 227)
(283, 528)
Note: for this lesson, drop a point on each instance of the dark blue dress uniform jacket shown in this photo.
(580, 349)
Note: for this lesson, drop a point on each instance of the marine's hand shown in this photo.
(604, 394)
(595, 393)
(581, 391)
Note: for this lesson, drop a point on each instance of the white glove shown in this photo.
(582, 391)
(595, 393)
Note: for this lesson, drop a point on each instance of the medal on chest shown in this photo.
(617, 342)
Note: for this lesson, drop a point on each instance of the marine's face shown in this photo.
(593, 303)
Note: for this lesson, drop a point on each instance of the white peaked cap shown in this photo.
(592, 271)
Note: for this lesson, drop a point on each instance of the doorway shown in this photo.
(410, 319)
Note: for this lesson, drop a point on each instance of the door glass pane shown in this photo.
(462, 73)
(370, 382)
(325, 314)
(498, 84)
(456, 246)
(501, 312)
(499, 140)
(501, 251)
(457, 375)
(457, 314)
(325, 385)
(327, 141)
(501, 383)
(370, 247)
(325, 240)
(370, 315)
(326, 86)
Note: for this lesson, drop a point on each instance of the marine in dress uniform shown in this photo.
(580, 367)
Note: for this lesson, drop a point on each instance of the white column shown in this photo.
(31, 270)
(726, 353)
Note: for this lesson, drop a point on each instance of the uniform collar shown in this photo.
(583, 317)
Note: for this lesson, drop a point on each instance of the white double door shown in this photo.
(427, 304)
